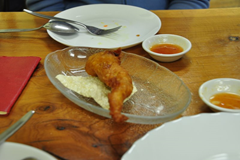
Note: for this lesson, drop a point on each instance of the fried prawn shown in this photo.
(107, 67)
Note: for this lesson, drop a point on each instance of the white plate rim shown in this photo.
(140, 39)
(29, 151)
(201, 116)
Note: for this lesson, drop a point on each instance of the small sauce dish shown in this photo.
(222, 94)
(168, 39)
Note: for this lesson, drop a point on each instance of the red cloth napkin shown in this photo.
(14, 75)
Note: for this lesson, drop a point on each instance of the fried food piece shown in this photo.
(106, 65)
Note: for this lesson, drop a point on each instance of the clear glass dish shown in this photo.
(161, 94)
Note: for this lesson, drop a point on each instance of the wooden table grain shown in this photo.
(63, 128)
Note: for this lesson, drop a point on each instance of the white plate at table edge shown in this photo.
(133, 31)
(18, 151)
(188, 122)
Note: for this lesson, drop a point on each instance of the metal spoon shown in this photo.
(91, 29)
(54, 26)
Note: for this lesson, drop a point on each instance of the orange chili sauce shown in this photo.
(166, 48)
(226, 100)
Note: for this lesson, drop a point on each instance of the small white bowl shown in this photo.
(169, 39)
(220, 85)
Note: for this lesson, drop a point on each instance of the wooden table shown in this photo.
(62, 128)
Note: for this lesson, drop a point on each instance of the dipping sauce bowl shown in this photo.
(167, 39)
(230, 90)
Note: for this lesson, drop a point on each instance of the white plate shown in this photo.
(17, 151)
(137, 25)
(201, 137)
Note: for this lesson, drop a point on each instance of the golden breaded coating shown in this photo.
(106, 66)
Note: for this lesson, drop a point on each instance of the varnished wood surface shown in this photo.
(224, 3)
(63, 128)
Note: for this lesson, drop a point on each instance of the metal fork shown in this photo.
(90, 29)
